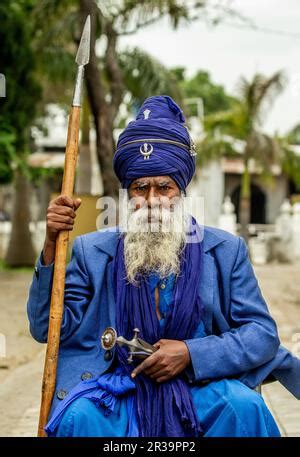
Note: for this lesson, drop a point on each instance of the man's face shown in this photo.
(154, 191)
(156, 229)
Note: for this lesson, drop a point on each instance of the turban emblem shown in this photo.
(146, 150)
(146, 113)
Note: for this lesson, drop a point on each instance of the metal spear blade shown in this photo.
(83, 53)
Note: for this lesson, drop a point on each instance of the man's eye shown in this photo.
(164, 187)
(140, 188)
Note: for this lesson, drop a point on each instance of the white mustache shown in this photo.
(152, 213)
(157, 218)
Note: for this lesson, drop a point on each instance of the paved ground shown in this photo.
(280, 285)
(21, 369)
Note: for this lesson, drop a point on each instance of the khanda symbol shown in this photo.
(145, 151)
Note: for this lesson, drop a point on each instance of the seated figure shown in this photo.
(188, 288)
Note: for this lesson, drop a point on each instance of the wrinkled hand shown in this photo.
(171, 358)
(61, 215)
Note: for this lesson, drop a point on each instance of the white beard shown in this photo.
(155, 246)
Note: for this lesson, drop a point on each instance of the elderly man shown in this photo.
(189, 289)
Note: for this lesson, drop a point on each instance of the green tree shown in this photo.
(7, 153)
(17, 114)
(39, 39)
(201, 86)
(105, 81)
(244, 122)
(113, 20)
(143, 76)
(291, 163)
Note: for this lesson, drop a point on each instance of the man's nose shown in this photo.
(152, 198)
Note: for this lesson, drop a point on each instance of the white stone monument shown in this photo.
(227, 220)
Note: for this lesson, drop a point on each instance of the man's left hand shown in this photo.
(171, 358)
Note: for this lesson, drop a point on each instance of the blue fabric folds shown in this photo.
(159, 118)
(104, 391)
(163, 409)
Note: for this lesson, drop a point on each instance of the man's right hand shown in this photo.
(61, 215)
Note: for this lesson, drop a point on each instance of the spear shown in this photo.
(58, 287)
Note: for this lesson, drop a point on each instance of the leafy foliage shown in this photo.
(214, 146)
(7, 155)
(143, 76)
(18, 109)
(291, 158)
(130, 15)
(243, 122)
(244, 119)
(291, 166)
(293, 137)
(214, 97)
(258, 95)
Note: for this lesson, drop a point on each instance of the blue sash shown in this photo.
(163, 409)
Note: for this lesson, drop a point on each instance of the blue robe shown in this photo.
(106, 407)
(241, 333)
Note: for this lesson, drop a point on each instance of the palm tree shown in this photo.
(291, 163)
(52, 29)
(143, 75)
(244, 122)
(111, 19)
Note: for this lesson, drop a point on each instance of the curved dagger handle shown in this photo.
(137, 347)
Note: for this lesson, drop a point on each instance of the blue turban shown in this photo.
(156, 143)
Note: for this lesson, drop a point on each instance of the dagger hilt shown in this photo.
(137, 346)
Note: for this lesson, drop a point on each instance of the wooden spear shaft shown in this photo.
(58, 285)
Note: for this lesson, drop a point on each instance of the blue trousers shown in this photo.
(225, 408)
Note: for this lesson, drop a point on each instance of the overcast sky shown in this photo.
(228, 52)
